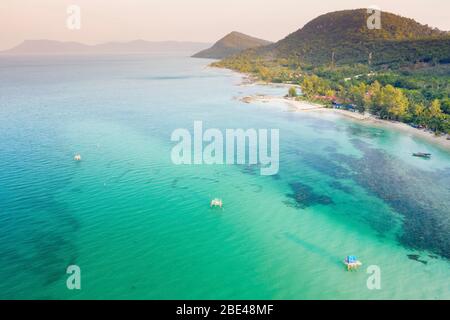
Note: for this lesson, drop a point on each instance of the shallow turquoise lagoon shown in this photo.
(140, 227)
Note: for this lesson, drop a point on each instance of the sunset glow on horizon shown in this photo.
(194, 20)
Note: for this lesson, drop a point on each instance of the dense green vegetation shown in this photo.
(400, 72)
(343, 37)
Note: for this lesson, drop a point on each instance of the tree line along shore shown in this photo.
(416, 97)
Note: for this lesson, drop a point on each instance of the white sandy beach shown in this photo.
(304, 106)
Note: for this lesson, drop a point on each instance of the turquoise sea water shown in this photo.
(140, 227)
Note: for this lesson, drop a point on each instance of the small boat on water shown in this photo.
(422, 155)
(77, 157)
(216, 203)
(352, 263)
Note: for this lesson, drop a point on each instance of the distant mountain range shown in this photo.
(231, 44)
(136, 46)
(343, 37)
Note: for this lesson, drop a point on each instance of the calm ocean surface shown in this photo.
(140, 227)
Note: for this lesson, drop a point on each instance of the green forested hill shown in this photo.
(343, 37)
(232, 43)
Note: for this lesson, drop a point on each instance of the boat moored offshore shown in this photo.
(422, 154)
(352, 263)
(216, 203)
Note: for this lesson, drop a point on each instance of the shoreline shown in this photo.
(305, 106)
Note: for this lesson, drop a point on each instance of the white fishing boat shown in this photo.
(216, 203)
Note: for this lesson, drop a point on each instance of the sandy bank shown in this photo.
(304, 106)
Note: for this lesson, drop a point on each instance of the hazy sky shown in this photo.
(186, 20)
